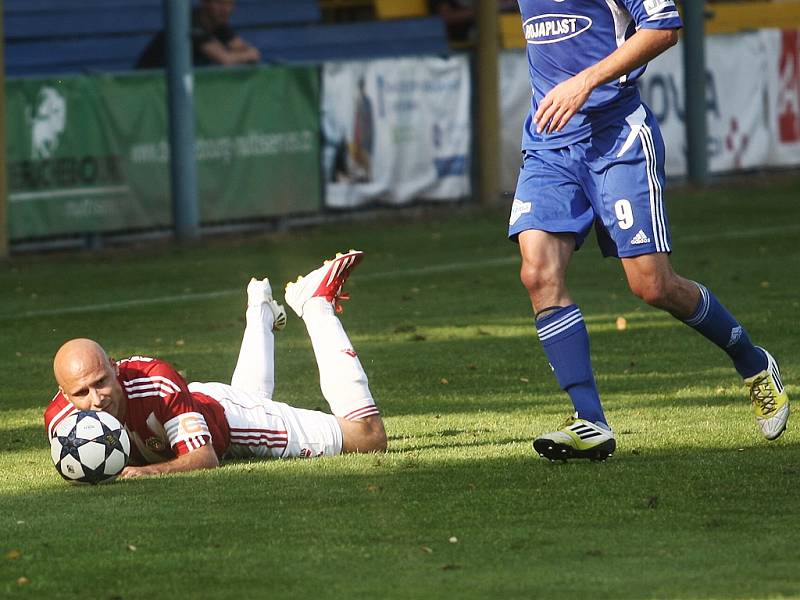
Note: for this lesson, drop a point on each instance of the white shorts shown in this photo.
(263, 428)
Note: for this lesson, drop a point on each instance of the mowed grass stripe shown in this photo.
(414, 271)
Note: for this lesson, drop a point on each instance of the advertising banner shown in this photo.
(91, 153)
(515, 102)
(739, 133)
(396, 130)
(784, 88)
(752, 99)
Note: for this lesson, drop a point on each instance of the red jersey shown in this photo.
(164, 419)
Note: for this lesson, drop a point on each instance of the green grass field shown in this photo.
(695, 504)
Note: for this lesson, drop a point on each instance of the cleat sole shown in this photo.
(777, 435)
(560, 452)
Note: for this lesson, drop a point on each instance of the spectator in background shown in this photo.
(459, 16)
(214, 42)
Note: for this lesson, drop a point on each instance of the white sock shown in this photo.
(255, 368)
(341, 376)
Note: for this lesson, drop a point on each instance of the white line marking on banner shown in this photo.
(68, 193)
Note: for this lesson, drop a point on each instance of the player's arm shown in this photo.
(202, 458)
(182, 420)
(236, 53)
(564, 100)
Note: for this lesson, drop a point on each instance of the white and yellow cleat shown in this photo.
(259, 292)
(577, 438)
(769, 398)
(324, 282)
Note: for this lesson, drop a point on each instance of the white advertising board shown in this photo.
(396, 130)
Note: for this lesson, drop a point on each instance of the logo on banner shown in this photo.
(736, 142)
(549, 29)
(54, 164)
(789, 91)
(48, 122)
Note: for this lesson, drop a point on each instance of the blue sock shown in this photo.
(713, 320)
(566, 343)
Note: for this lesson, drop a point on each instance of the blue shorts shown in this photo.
(613, 180)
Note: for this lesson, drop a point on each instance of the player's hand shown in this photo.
(561, 103)
(131, 472)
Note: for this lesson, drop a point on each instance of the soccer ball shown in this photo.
(90, 447)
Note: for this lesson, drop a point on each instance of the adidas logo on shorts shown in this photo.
(640, 238)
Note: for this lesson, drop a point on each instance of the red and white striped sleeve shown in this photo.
(58, 410)
(179, 414)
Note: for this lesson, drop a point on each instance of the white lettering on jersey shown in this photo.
(549, 29)
(654, 6)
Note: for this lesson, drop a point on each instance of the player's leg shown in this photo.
(652, 279)
(343, 380)
(635, 228)
(544, 222)
(255, 368)
(262, 428)
(559, 322)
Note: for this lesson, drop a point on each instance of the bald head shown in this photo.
(75, 357)
(88, 378)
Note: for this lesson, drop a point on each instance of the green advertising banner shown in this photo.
(91, 153)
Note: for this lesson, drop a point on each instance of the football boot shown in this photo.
(324, 282)
(577, 438)
(259, 292)
(769, 398)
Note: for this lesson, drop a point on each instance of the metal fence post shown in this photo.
(3, 182)
(180, 94)
(488, 132)
(694, 69)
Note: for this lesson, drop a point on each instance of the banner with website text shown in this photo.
(91, 153)
(396, 130)
(753, 103)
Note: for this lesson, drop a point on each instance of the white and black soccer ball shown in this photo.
(90, 447)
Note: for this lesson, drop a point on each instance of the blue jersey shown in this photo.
(564, 37)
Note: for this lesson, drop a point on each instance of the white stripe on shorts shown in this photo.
(656, 195)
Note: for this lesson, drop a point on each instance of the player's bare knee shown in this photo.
(364, 435)
(646, 291)
(375, 438)
(653, 291)
(536, 278)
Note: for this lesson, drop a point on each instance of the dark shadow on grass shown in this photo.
(22, 438)
(454, 375)
(685, 522)
(555, 406)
